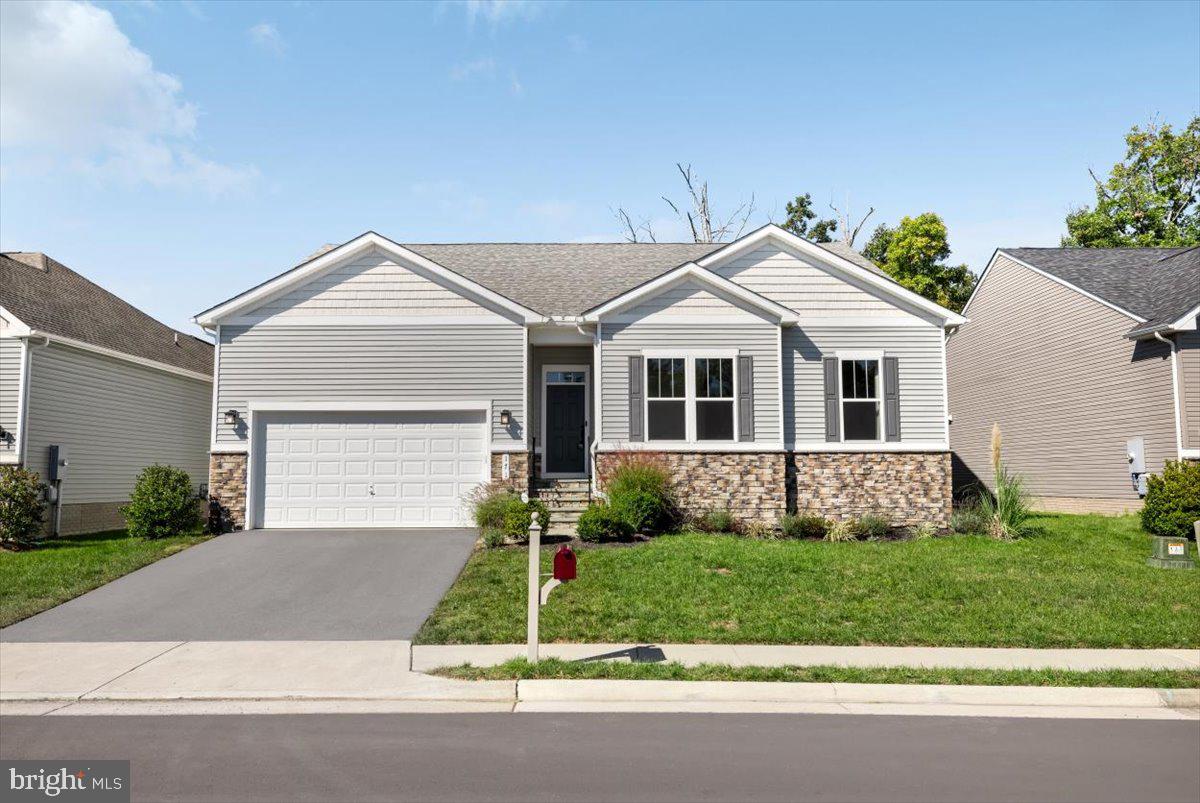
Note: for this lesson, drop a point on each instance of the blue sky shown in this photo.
(178, 153)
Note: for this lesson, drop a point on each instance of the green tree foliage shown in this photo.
(1151, 199)
(802, 221)
(876, 247)
(914, 254)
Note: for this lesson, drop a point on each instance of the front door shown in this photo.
(566, 424)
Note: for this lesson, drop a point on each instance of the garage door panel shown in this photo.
(370, 469)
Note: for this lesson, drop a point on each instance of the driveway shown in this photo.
(269, 585)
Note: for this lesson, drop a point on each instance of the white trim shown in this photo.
(878, 321)
(691, 270)
(598, 399)
(216, 383)
(23, 375)
(871, 446)
(341, 406)
(1051, 277)
(360, 244)
(688, 446)
(1189, 454)
(9, 459)
(241, 447)
(771, 231)
(525, 412)
(1174, 345)
(587, 420)
(120, 355)
(714, 353)
(690, 399)
(945, 391)
(417, 319)
(510, 448)
(1188, 321)
(861, 447)
(875, 356)
(779, 356)
(859, 354)
(16, 327)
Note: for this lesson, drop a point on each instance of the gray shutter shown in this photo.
(636, 377)
(832, 431)
(745, 400)
(891, 398)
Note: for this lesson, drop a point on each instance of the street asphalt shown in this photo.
(625, 757)
(269, 585)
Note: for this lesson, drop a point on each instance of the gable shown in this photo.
(689, 299)
(372, 284)
(811, 289)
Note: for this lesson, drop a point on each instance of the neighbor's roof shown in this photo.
(47, 296)
(1160, 285)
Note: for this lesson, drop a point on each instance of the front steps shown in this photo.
(565, 500)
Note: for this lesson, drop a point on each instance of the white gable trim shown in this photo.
(886, 287)
(361, 244)
(16, 327)
(1188, 321)
(1049, 276)
(692, 270)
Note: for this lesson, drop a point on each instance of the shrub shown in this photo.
(601, 523)
(638, 487)
(1173, 500)
(641, 509)
(498, 507)
(759, 530)
(969, 518)
(163, 503)
(804, 525)
(1007, 510)
(872, 527)
(493, 538)
(922, 532)
(518, 516)
(841, 531)
(716, 521)
(21, 505)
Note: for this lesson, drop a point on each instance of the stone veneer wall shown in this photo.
(751, 485)
(907, 488)
(518, 470)
(226, 491)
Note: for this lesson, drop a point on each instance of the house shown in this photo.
(377, 383)
(1089, 359)
(112, 388)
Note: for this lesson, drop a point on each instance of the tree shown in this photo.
(915, 257)
(1151, 199)
(801, 221)
(706, 225)
(876, 247)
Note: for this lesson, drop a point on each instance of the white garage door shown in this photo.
(410, 469)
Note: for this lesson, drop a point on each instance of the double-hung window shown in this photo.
(690, 398)
(861, 400)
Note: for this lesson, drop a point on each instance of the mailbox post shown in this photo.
(564, 571)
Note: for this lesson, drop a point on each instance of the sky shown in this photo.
(179, 153)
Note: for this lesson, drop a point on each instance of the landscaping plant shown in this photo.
(842, 531)
(804, 525)
(872, 527)
(163, 503)
(1006, 510)
(1173, 500)
(716, 521)
(759, 530)
(639, 490)
(968, 517)
(498, 508)
(21, 495)
(600, 522)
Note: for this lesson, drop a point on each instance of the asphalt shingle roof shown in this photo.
(1158, 284)
(46, 295)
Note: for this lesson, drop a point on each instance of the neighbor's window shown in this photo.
(714, 399)
(860, 400)
(666, 399)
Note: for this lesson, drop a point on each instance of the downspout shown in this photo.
(53, 492)
(1178, 412)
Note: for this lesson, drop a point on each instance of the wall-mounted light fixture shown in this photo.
(505, 417)
(3, 434)
(231, 417)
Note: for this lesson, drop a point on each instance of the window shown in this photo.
(714, 399)
(860, 400)
(666, 399)
(565, 377)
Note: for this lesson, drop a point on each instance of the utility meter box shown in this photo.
(58, 463)
(1135, 450)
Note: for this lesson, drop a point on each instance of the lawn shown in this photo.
(554, 669)
(59, 569)
(1077, 581)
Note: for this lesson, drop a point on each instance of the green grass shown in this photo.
(1076, 581)
(554, 669)
(59, 569)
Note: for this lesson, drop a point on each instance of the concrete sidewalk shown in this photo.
(426, 657)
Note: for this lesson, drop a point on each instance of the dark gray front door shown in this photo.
(566, 417)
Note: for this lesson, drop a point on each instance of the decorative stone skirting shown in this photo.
(226, 491)
(750, 485)
(907, 488)
(518, 470)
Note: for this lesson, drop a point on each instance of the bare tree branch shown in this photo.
(850, 233)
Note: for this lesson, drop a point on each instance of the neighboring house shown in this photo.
(114, 388)
(1083, 356)
(376, 384)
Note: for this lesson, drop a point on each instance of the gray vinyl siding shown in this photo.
(373, 364)
(10, 386)
(620, 341)
(115, 418)
(1189, 387)
(1068, 389)
(918, 350)
(554, 355)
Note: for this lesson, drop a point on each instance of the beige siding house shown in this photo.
(377, 384)
(113, 389)
(1083, 357)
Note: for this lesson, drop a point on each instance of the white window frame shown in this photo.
(851, 356)
(587, 420)
(689, 357)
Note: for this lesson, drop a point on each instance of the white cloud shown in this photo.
(514, 83)
(482, 67)
(266, 36)
(498, 12)
(76, 94)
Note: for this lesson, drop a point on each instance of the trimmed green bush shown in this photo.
(1173, 500)
(498, 507)
(716, 521)
(872, 527)
(22, 496)
(163, 503)
(601, 523)
(804, 525)
(644, 511)
(639, 490)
